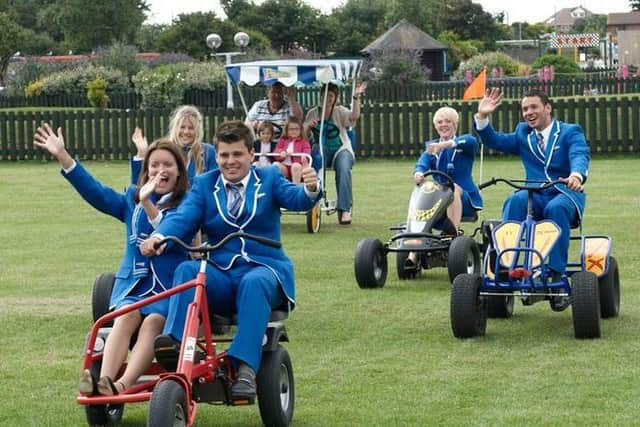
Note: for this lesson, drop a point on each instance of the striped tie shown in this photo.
(234, 198)
(540, 139)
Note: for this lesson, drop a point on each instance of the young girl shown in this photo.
(264, 144)
(292, 142)
(186, 130)
(161, 186)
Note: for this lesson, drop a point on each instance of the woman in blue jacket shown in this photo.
(161, 186)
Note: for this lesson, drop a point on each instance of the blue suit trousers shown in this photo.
(550, 204)
(249, 290)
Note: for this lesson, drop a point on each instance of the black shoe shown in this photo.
(167, 351)
(410, 265)
(244, 387)
(558, 302)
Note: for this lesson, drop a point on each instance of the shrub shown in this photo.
(97, 93)
(30, 71)
(490, 60)
(561, 64)
(75, 80)
(161, 87)
(164, 86)
(121, 57)
(396, 67)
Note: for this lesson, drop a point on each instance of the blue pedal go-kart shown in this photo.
(515, 267)
(428, 233)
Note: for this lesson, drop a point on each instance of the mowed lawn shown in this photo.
(383, 357)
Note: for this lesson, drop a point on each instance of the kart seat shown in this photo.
(220, 324)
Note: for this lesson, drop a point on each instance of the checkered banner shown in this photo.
(574, 40)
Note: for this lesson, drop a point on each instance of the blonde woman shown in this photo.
(186, 130)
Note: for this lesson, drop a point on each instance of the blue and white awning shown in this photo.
(290, 72)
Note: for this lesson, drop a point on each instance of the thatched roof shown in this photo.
(404, 36)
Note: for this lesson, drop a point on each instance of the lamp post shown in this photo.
(214, 41)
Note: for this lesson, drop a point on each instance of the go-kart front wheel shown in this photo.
(468, 308)
(276, 392)
(168, 406)
(313, 218)
(370, 264)
(464, 257)
(610, 291)
(102, 415)
(585, 305)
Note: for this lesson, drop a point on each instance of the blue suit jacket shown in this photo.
(206, 204)
(457, 162)
(566, 152)
(122, 207)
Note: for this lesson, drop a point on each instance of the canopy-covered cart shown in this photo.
(300, 72)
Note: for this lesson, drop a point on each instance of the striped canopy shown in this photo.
(294, 72)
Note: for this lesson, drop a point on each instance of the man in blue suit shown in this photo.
(247, 277)
(550, 150)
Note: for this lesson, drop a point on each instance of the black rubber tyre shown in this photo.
(314, 216)
(404, 274)
(168, 406)
(609, 285)
(370, 264)
(500, 307)
(464, 257)
(275, 387)
(585, 305)
(102, 415)
(468, 309)
(101, 295)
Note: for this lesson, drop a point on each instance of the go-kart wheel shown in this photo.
(468, 309)
(403, 272)
(370, 264)
(313, 218)
(101, 296)
(500, 307)
(464, 257)
(609, 285)
(102, 415)
(168, 405)
(275, 387)
(585, 305)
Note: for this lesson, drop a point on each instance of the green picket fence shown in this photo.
(611, 124)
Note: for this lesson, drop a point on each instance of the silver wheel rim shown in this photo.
(284, 388)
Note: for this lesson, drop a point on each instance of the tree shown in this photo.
(89, 24)
(469, 21)
(11, 38)
(357, 24)
(635, 4)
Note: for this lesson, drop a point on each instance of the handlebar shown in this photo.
(205, 247)
(514, 183)
(277, 156)
(449, 181)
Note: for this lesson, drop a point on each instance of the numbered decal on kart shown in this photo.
(545, 235)
(595, 254)
(189, 349)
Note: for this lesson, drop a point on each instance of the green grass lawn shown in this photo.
(382, 357)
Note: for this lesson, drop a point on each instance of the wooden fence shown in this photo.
(612, 125)
(563, 85)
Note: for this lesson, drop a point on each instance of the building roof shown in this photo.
(630, 18)
(567, 17)
(404, 36)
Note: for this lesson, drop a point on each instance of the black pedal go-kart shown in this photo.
(516, 267)
(427, 232)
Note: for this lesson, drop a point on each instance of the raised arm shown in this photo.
(53, 142)
(355, 105)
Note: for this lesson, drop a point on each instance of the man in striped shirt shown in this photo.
(277, 109)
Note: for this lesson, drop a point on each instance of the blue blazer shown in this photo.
(267, 191)
(457, 162)
(566, 152)
(209, 164)
(134, 266)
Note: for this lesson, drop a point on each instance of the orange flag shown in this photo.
(477, 87)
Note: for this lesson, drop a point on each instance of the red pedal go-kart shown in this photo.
(515, 267)
(428, 233)
(203, 373)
